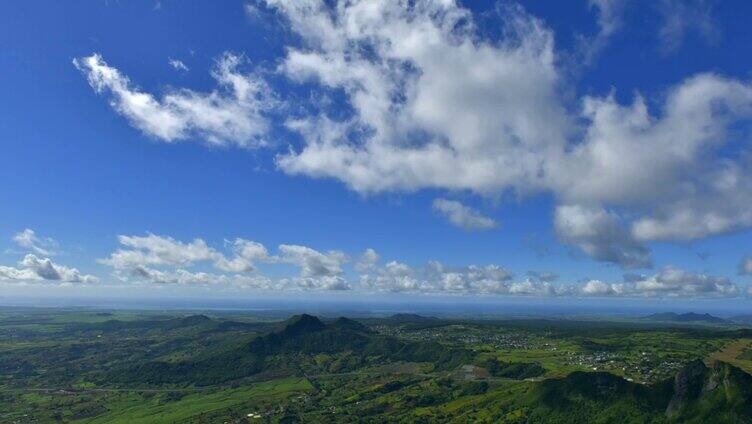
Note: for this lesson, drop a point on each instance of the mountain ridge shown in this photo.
(685, 317)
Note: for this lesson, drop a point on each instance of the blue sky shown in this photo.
(524, 154)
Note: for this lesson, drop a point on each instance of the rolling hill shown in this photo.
(291, 351)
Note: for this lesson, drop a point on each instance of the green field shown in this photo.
(135, 409)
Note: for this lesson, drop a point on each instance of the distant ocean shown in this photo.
(384, 305)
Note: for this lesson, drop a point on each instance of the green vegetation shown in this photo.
(296, 349)
(135, 409)
(746, 354)
(137, 367)
(516, 370)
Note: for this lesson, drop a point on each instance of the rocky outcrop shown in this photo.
(688, 385)
(699, 390)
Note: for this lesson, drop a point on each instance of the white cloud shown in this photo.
(182, 276)
(232, 114)
(367, 261)
(463, 216)
(246, 254)
(153, 249)
(437, 278)
(675, 281)
(682, 16)
(535, 288)
(178, 276)
(11, 273)
(434, 105)
(597, 288)
(393, 277)
(28, 239)
(470, 279)
(178, 65)
(609, 15)
(745, 267)
(669, 170)
(600, 234)
(322, 282)
(251, 10)
(609, 18)
(164, 260)
(499, 124)
(313, 263)
(670, 282)
(543, 276)
(33, 268)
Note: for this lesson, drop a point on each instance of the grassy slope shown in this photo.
(734, 353)
(133, 410)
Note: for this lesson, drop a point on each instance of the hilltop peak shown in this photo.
(196, 318)
(349, 324)
(304, 323)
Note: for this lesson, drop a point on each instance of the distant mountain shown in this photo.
(197, 322)
(688, 317)
(293, 346)
(742, 319)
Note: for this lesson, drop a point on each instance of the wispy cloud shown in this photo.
(745, 267)
(29, 240)
(610, 21)
(178, 65)
(681, 17)
(232, 114)
(463, 216)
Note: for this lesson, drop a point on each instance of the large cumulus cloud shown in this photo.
(428, 101)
